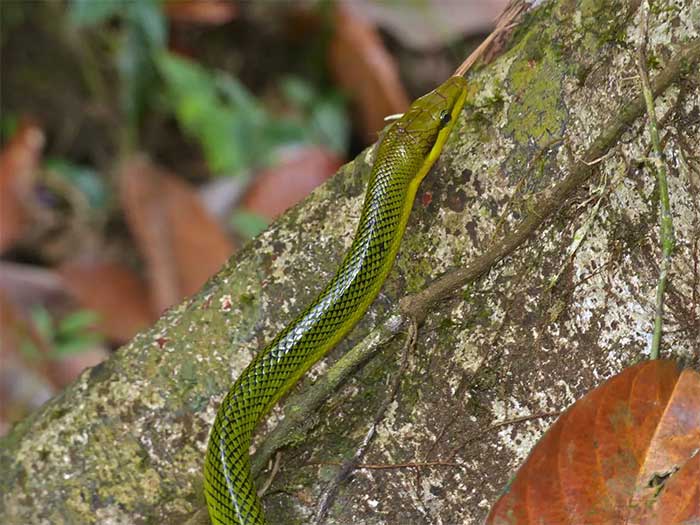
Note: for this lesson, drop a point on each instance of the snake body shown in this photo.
(404, 156)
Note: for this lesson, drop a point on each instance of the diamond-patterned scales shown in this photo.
(402, 160)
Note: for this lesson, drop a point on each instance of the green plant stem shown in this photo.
(667, 241)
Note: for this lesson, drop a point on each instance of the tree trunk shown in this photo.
(544, 203)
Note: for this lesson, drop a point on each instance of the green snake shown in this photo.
(404, 156)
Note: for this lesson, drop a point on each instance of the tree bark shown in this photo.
(542, 215)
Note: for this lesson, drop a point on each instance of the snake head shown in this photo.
(435, 111)
(419, 135)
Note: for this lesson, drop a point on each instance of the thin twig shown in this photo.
(349, 466)
(273, 472)
(598, 160)
(659, 166)
(442, 463)
(393, 466)
(506, 21)
(501, 424)
(583, 230)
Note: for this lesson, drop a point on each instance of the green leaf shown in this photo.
(298, 92)
(240, 99)
(234, 130)
(248, 224)
(145, 36)
(29, 349)
(76, 345)
(84, 178)
(223, 138)
(324, 119)
(43, 322)
(330, 124)
(216, 111)
(93, 12)
(80, 320)
(75, 334)
(284, 132)
(147, 16)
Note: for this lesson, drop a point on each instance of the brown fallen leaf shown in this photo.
(675, 437)
(114, 292)
(364, 69)
(622, 454)
(182, 244)
(18, 163)
(206, 12)
(679, 502)
(296, 175)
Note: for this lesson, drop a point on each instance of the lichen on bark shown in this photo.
(125, 443)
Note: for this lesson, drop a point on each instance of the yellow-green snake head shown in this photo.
(404, 156)
(428, 123)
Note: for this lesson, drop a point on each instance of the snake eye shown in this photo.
(444, 117)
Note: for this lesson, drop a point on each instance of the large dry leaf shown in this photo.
(114, 292)
(680, 501)
(365, 70)
(280, 187)
(182, 244)
(622, 454)
(18, 163)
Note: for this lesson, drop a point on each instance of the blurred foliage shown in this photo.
(247, 223)
(326, 119)
(234, 129)
(70, 335)
(8, 125)
(221, 115)
(90, 12)
(83, 178)
(144, 33)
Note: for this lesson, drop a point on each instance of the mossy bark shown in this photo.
(125, 443)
